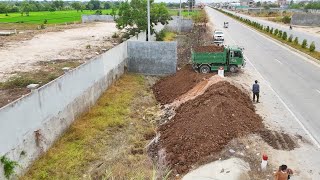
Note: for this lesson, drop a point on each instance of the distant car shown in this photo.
(218, 36)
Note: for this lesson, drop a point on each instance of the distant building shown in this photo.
(247, 3)
(282, 2)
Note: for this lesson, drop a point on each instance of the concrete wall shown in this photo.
(95, 18)
(52, 108)
(305, 19)
(153, 58)
(175, 25)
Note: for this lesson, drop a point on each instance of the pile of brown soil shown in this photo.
(208, 49)
(203, 126)
(171, 87)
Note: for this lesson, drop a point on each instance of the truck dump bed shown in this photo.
(209, 54)
(208, 49)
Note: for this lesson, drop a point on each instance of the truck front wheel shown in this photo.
(205, 69)
(233, 68)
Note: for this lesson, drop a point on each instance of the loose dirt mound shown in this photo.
(208, 49)
(169, 88)
(203, 126)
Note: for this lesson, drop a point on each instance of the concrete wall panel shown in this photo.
(154, 58)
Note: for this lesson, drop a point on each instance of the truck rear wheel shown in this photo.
(233, 68)
(204, 69)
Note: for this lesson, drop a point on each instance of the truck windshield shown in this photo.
(218, 32)
(237, 54)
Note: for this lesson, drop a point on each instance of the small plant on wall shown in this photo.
(8, 166)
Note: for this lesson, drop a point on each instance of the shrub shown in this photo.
(276, 32)
(280, 34)
(115, 35)
(284, 36)
(296, 41)
(271, 31)
(267, 29)
(160, 35)
(286, 19)
(290, 38)
(312, 47)
(304, 44)
(45, 21)
(98, 12)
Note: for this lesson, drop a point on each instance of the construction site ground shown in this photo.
(38, 56)
(184, 126)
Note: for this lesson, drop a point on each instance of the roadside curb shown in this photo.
(310, 58)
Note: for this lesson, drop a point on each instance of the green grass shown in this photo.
(185, 13)
(56, 17)
(169, 36)
(95, 137)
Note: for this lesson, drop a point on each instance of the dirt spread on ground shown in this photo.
(169, 88)
(277, 140)
(208, 49)
(203, 126)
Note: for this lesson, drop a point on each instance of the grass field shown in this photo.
(185, 13)
(56, 17)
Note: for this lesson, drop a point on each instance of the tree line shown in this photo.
(304, 5)
(24, 7)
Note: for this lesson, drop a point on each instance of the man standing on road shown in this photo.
(255, 90)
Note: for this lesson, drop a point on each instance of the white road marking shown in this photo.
(315, 142)
(278, 61)
(318, 91)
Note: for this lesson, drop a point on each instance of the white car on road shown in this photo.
(218, 36)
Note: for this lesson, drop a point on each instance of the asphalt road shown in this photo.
(295, 33)
(293, 77)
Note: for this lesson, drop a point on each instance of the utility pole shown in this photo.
(180, 9)
(180, 17)
(148, 9)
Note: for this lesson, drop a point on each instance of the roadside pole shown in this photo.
(180, 20)
(148, 9)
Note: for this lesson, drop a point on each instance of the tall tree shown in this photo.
(133, 15)
(94, 4)
(76, 6)
(58, 4)
(107, 5)
(25, 8)
(259, 4)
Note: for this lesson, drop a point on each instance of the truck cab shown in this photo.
(235, 58)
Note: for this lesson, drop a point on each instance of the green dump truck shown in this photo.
(211, 58)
